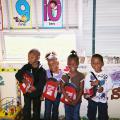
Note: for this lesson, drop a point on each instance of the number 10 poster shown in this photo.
(52, 14)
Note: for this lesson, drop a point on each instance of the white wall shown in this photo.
(107, 27)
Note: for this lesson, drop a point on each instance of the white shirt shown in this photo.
(56, 76)
(106, 84)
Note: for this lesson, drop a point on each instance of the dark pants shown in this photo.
(72, 112)
(27, 107)
(102, 110)
(51, 109)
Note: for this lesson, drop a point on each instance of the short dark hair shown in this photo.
(73, 55)
(34, 51)
(100, 57)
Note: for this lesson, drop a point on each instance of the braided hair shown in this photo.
(73, 55)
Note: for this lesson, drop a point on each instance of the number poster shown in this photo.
(21, 13)
(52, 14)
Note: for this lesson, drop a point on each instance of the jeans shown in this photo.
(102, 110)
(27, 107)
(72, 112)
(51, 108)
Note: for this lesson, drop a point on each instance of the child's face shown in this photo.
(53, 65)
(52, 5)
(96, 64)
(33, 58)
(72, 64)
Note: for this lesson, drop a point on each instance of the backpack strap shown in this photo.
(94, 75)
(51, 73)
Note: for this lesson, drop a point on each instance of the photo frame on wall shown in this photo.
(52, 14)
(21, 13)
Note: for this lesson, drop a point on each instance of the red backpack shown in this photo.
(51, 89)
(28, 82)
(70, 89)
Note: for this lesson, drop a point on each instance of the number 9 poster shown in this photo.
(21, 13)
(52, 14)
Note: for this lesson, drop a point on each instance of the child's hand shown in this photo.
(74, 102)
(25, 81)
(32, 88)
(94, 83)
(100, 89)
(68, 98)
(42, 98)
(29, 91)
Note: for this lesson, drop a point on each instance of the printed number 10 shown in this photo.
(48, 10)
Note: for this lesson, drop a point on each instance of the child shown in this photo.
(53, 5)
(72, 111)
(51, 107)
(34, 92)
(99, 80)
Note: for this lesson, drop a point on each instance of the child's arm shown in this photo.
(108, 84)
(19, 74)
(64, 93)
(78, 99)
(87, 86)
(63, 82)
(42, 81)
(87, 83)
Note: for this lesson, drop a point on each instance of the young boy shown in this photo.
(52, 107)
(101, 82)
(34, 92)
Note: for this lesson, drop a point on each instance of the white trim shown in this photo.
(66, 15)
(8, 13)
(36, 16)
(1, 46)
(38, 32)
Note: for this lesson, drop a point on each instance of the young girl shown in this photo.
(72, 111)
(101, 81)
(51, 107)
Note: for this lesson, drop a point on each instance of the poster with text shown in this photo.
(21, 13)
(116, 78)
(52, 14)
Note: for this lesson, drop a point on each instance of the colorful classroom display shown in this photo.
(9, 108)
(21, 13)
(116, 84)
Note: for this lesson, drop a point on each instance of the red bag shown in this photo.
(51, 89)
(27, 83)
(88, 93)
(71, 92)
